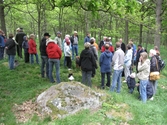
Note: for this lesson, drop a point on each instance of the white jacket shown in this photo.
(128, 57)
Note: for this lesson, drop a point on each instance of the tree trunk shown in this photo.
(2, 16)
(126, 31)
(157, 38)
(141, 34)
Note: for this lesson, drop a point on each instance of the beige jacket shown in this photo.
(144, 70)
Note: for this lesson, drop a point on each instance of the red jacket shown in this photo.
(53, 50)
(111, 48)
(32, 47)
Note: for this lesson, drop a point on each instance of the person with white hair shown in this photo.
(153, 68)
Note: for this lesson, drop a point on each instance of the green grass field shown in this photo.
(25, 83)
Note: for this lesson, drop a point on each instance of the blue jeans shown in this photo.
(11, 59)
(45, 64)
(154, 86)
(55, 62)
(32, 58)
(103, 79)
(1, 52)
(86, 78)
(74, 49)
(116, 79)
(142, 90)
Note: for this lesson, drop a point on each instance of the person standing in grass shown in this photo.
(127, 62)
(67, 52)
(25, 47)
(105, 66)
(44, 56)
(143, 75)
(11, 51)
(118, 62)
(58, 40)
(154, 67)
(2, 45)
(32, 49)
(74, 41)
(87, 62)
(54, 54)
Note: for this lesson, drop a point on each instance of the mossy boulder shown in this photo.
(68, 98)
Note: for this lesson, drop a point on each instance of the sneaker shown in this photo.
(69, 69)
(152, 98)
(124, 81)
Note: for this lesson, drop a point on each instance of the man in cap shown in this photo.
(74, 41)
(19, 40)
(58, 40)
(44, 56)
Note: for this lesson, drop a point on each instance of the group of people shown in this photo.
(120, 59)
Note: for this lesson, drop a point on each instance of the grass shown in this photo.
(25, 83)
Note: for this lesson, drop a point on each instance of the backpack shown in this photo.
(161, 63)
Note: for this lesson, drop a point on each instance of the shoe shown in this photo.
(152, 98)
(69, 69)
(71, 78)
(108, 85)
(124, 81)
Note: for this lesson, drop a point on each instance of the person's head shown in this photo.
(129, 46)
(107, 46)
(87, 45)
(1, 32)
(144, 56)
(10, 35)
(104, 38)
(59, 34)
(88, 34)
(32, 36)
(152, 52)
(67, 40)
(21, 30)
(92, 40)
(75, 33)
(67, 35)
(155, 47)
(118, 44)
(120, 40)
(18, 30)
(46, 35)
(139, 47)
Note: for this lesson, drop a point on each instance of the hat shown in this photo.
(58, 32)
(17, 29)
(46, 34)
(75, 32)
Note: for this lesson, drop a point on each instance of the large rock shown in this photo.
(68, 98)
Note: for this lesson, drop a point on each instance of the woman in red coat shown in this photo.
(32, 49)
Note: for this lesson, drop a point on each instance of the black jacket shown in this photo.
(72, 39)
(19, 38)
(87, 60)
(42, 47)
(11, 47)
(154, 64)
(123, 47)
(101, 44)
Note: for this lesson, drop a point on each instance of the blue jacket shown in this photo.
(2, 42)
(87, 39)
(25, 44)
(105, 61)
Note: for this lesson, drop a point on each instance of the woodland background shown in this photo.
(141, 20)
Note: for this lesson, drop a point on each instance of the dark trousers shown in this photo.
(26, 57)
(1, 52)
(103, 79)
(19, 51)
(68, 59)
